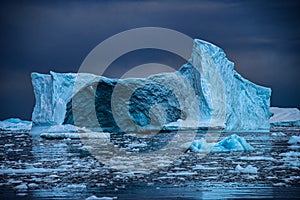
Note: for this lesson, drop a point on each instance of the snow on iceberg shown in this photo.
(285, 116)
(224, 99)
(15, 124)
(230, 143)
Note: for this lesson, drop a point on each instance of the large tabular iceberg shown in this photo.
(206, 92)
(285, 116)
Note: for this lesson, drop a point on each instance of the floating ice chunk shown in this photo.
(230, 143)
(60, 135)
(29, 170)
(137, 145)
(33, 185)
(184, 173)
(278, 134)
(100, 198)
(201, 167)
(67, 131)
(65, 135)
(61, 132)
(76, 186)
(257, 158)
(249, 169)
(21, 187)
(294, 140)
(63, 128)
(15, 124)
(233, 143)
(285, 116)
(290, 154)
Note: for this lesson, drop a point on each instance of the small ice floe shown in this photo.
(76, 186)
(68, 131)
(257, 158)
(33, 186)
(15, 124)
(21, 187)
(63, 128)
(137, 145)
(294, 140)
(230, 143)
(278, 134)
(60, 135)
(100, 198)
(185, 173)
(290, 154)
(248, 170)
(30, 170)
(201, 167)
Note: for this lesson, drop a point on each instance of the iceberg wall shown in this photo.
(53, 92)
(207, 90)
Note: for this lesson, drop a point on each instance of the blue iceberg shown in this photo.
(15, 124)
(230, 143)
(211, 95)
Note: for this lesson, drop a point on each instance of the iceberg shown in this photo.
(285, 116)
(204, 93)
(248, 170)
(230, 143)
(15, 124)
(294, 139)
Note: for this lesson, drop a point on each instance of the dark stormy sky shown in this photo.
(261, 37)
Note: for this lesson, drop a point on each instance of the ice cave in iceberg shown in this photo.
(206, 92)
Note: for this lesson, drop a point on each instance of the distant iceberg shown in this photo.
(224, 99)
(230, 143)
(15, 124)
(285, 116)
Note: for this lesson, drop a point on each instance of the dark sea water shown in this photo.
(36, 168)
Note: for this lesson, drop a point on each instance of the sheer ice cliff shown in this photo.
(223, 98)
